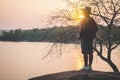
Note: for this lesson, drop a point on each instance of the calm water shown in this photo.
(22, 60)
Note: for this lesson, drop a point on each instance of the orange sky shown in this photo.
(26, 13)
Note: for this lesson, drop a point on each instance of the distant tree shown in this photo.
(5, 36)
(107, 15)
(18, 34)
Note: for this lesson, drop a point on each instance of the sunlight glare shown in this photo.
(79, 62)
(81, 16)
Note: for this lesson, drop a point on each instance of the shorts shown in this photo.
(87, 46)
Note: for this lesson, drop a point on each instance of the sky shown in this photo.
(26, 14)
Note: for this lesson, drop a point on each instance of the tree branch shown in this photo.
(101, 15)
(114, 16)
(99, 51)
(116, 45)
(114, 8)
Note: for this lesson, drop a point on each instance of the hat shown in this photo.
(87, 10)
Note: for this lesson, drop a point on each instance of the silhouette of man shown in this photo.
(88, 29)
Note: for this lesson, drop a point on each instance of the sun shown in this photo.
(77, 16)
(81, 16)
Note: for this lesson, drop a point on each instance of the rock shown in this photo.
(80, 75)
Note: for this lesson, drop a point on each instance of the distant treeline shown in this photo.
(55, 34)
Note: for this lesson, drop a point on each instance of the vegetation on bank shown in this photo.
(54, 34)
(67, 34)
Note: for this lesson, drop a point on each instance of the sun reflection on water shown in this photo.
(79, 62)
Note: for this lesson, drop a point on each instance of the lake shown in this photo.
(24, 60)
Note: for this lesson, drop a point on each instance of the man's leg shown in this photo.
(85, 59)
(90, 59)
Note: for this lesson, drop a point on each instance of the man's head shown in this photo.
(87, 10)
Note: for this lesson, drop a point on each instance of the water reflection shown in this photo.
(79, 62)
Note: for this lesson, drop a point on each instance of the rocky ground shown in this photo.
(80, 75)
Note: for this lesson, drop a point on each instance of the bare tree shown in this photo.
(69, 15)
(106, 13)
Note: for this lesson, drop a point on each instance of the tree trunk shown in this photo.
(112, 65)
(108, 59)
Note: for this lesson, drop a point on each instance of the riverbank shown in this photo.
(80, 75)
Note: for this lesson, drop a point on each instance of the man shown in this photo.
(88, 29)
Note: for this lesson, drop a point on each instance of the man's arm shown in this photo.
(80, 29)
(95, 26)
